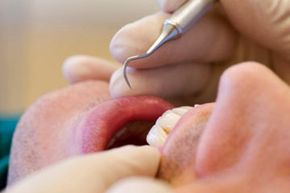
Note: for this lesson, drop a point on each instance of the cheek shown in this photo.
(45, 134)
(39, 140)
(179, 152)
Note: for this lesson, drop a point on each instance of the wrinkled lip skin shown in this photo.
(74, 120)
(178, 153)
(82, 119)
(99, 125)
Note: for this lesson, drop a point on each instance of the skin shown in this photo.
(243, 147)
(225, 158)
(74, 121)
(233, 145)
(233, 32)
(45, 134)
(89, 173)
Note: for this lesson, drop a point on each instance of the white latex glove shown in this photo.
(189, 68)
(234, 31)
(97, 173)
(140, 185)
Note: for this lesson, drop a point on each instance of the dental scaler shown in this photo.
(173, 27)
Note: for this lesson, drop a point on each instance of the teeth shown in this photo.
(181, 110)
(164, 124)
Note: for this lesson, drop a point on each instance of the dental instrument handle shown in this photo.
(181, 21)
(173, 27)
(188, 14)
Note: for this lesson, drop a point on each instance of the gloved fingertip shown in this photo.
(140, 185)
(138, 148)
(149, 149)
(170, 6)
(132, 161)
(125, 43)
(119, 88)
(71, 68)
(114, 86)
(139, 151)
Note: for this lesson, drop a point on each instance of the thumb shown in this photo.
(140, 185)
(265, 21)
(170, 5)
(92, 173)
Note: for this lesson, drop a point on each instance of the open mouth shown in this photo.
(120, 122)
(133, 133)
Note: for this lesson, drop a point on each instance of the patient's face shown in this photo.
(76, 120)
(239, 144)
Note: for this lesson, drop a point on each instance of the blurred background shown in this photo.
(37, 35)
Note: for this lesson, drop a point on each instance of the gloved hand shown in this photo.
(189, 68)
(98, 172)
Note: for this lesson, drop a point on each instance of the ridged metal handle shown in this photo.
(182, 20)
(189, 13)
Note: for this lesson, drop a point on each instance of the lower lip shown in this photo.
(101, 123)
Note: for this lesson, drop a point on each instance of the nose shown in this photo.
(244, 138)
(251, 115)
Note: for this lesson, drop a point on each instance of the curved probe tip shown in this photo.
(125, 73)
(126, 64)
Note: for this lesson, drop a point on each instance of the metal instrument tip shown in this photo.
(184, 18)
(169, 32)
(126, 63)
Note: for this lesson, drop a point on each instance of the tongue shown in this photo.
(106, 119)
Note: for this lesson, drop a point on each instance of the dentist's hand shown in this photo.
(99, 173)
(189, 68)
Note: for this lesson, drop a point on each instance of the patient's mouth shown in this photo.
(102, 127)
(133, 133)
(179, 150)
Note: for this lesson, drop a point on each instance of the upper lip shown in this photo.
(101, 122)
